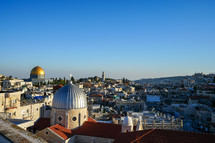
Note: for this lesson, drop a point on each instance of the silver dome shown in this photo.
(69, 97)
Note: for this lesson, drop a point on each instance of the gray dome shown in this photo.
(69, 97)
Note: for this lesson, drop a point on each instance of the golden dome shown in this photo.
(37, 71)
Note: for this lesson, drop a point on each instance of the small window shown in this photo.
(14, 113)
(60, 118)
(37, 109)
(74, 118)
(85, 116)
(47, 132)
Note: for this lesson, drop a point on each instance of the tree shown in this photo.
(123, 80)
(95, 78)
(10, 77)
(72, 79)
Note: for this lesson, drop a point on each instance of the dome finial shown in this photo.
(70, 75)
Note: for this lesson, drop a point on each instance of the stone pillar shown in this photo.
(153, 123)
(162, 124)
(53, 123)
(172, 123)
(182, 124)
(144, 122)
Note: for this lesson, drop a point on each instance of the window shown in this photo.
(47, 132)
(74, 118)
(60, 118)
(85, 116)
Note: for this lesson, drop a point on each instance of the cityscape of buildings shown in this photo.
(100, 109)
(107, 71)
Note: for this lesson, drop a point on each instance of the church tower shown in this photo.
(69, 107)
(103, 76)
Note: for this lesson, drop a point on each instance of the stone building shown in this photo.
(70, 123)
(12, 106)
(96, 97)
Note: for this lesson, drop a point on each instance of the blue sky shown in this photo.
(125, 38)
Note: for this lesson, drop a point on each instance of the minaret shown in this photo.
(139, 124)
(103, 76)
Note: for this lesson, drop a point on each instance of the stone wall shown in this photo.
(71, 119)
(48, 135)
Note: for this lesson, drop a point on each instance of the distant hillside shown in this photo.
(162, 80)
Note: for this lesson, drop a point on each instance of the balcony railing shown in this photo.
(12, 106)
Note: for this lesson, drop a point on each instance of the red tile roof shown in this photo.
(96, 95)
(116, 116)
(97, 129)
(10, 108)
(164, 136)
(91, 119)
(42, 123)
(57, 86)
(61, 131)
(168, 136)
(130, 136)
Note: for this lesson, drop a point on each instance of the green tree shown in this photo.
(72, 79)
(95, 78)
(123, 80)
(10, 77)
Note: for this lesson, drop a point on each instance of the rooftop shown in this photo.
(61, 131)
(97, 129)
(17, 134)
(164, 136)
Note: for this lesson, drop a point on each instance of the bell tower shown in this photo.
(103, 76)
